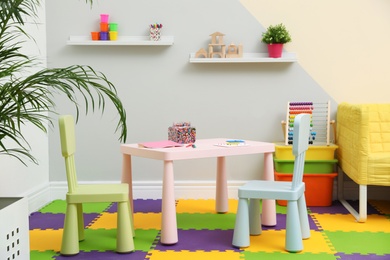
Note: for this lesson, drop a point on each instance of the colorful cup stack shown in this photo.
(155, 31)
(108, 31)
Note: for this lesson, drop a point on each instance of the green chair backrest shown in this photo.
(68, 148)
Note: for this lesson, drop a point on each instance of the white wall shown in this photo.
(343, 45)
(17, 179)
(158, 85)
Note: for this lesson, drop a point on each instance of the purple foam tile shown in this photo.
(40, 220)
(205, 240)
(147, 206)
(335, 208)
(281, 223)
(338, 208)
(141, 205)
(342, 256)
(108, 255)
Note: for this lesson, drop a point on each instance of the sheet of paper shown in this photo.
(160, 144)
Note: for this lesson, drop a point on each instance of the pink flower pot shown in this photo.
(275, 50)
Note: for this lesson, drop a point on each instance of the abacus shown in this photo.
(319, 124)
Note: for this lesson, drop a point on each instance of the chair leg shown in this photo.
(360, 216)
(80, 221)
(241, 227)
(131, 219)
(124, 239)
(254, 217)
(70, 241)
(362, 203)
(303, 218)
(293, 228)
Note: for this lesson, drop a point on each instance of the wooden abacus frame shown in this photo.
(320, 120)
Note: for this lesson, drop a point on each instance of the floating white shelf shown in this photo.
(122, 40)
(247, 58)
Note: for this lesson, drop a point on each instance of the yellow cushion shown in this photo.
(363, 137)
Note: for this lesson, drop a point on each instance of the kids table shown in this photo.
(205, 148)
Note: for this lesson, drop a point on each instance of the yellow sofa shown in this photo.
(363, 139)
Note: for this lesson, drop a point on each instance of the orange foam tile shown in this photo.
(44, 240)
(347, 223)
(141, 221)
(193, 255)
(274, 241)
(147, 221)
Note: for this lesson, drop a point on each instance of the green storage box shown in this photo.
(311, 166)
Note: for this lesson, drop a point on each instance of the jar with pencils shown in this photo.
(155, 31)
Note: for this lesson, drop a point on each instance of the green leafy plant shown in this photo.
(276, 34)
(28, 98)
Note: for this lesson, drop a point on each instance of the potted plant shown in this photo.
(27, 98)
(275, 36)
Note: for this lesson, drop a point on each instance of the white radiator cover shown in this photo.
(14, 229)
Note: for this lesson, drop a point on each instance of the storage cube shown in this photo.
(14, 229)
(311, 166)
(315, 152)
(319, 187)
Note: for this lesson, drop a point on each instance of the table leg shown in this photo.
(268, 216)
(221, 196)
(168, 208)
(127, 177)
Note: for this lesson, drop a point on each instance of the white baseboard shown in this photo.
(183, 190)
(38, 197)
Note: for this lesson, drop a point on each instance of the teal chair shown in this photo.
(78, 194)
(250, 194)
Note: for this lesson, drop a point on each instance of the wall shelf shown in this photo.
(122, 40)
(247, 58)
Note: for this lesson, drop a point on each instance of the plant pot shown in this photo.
(275, 50)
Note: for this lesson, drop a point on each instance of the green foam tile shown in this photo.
(360, 242)
(59, 206)
(45, 255)
(144, 239)
(56, 206)
(206, 221)
(99, 240)
(105, 240)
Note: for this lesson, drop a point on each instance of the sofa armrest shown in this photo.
(362, 131)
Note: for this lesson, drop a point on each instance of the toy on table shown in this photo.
(182, 133)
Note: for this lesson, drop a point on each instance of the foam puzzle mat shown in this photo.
(204, 234)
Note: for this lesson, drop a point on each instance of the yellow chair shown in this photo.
(78, 194)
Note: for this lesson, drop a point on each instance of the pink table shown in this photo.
(204, 149)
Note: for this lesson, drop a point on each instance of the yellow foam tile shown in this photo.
(382, 206)
(44, 240)
(347, 223)
(141, 221)
(202, 206)
(147, 221)
(193, 255)
(274, 241)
